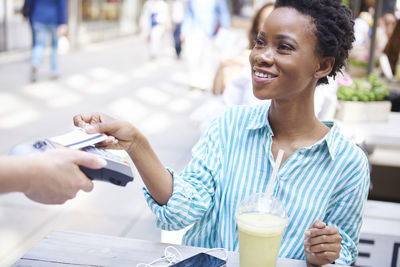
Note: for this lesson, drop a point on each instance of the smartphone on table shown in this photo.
(201, 260)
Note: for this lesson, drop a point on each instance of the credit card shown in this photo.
(78, 138)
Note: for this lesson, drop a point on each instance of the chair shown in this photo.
(377, 250)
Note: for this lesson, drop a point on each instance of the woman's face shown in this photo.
(283, 59)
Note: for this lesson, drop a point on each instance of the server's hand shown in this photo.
(54, 176)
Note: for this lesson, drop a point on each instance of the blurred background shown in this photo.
(116, 57)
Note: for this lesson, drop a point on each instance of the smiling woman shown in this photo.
(324, 179)
(282, 46)
(290, 39)
(299, 45)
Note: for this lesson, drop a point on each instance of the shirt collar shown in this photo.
(259, 119)
(331, 139)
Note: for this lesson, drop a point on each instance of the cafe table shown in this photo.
(64, 248)
(385, 133)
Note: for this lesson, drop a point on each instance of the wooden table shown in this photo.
(82, 249)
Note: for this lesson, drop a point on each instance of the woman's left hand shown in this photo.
(322, 243)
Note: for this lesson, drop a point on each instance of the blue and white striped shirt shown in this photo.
(328, 181)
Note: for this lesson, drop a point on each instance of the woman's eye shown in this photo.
(285, 47)
(258, 42)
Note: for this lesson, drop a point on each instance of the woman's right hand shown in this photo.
(122, 134)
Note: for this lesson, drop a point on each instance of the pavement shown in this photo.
(114, 77)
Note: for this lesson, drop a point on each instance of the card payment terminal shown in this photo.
(117, 171)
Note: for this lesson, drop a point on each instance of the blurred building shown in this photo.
(88, 21)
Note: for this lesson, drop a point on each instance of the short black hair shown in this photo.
(334, 28)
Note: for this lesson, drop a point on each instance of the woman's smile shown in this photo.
(263, 76)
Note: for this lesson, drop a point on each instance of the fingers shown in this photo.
(328, 230)
(82, 120)
(121, 134)
(58, 177)
(318, 224)
(88, 160)
(99, 127)
(322, 245)
(91, 128)
(332, 247)
(94, 127)
(87, 185)
(322, 239)
(111, 142)
(325, 257)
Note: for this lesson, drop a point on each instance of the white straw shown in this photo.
(272, 180)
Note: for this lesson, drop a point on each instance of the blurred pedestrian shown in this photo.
(154, 21)
(392, 49)
(26, 12)
(386, 25)
(48, 18)
(178, 13)
(204, 19)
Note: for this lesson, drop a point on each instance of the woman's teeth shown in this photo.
(263, 75)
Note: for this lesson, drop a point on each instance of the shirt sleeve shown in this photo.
(194, 188)
(346, 207)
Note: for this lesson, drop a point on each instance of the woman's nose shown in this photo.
(265, 57)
